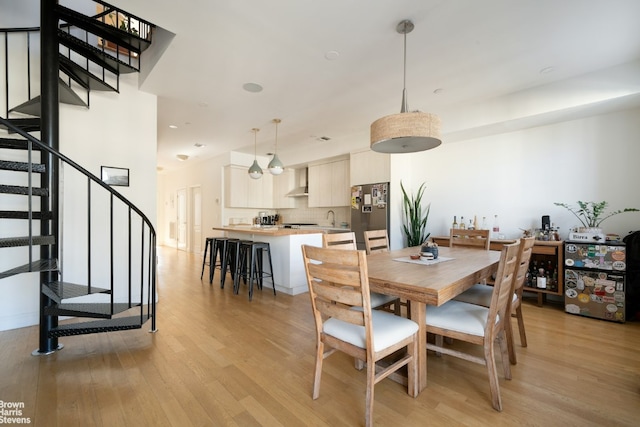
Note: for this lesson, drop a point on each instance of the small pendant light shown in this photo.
(255, 171)
(275, 165)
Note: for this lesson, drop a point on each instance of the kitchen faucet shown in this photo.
(333, 221)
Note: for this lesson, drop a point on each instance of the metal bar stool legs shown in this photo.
(251, 261)
(219, 246)
(208, 247)
(230, 261)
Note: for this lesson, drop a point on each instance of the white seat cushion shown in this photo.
(378, 300)
(479, 294)
(458, 316)
(388, 329)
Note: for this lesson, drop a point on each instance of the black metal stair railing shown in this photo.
(111, 226)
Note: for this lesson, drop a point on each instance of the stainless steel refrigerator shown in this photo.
(594, 279)
(369, 209)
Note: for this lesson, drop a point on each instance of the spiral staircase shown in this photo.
(112, 241)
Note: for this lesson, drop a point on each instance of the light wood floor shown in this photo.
(219, 360)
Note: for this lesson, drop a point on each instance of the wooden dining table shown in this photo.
(432, 284)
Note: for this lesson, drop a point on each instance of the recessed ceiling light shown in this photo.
(182, 157)
(197, 144)
(546, 70)
(331, 55)
(252, 87)
(438, 91)
(173, 127)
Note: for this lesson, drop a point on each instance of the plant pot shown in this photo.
(430, 249)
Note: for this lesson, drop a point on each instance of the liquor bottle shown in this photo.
(534, 274)
(475, 222)
(462, 224)
(541, 280)
(455, 222)
(471, 226)
(496, 227)
(484, 223)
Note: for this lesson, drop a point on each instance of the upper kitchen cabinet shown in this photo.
(329, 184)
(243, 192)
(369, 167)
(284, 184)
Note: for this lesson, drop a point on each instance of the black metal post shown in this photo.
(49, 128)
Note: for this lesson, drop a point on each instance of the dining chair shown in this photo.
(347, 240)
(479, 325)
(376, 241)
(339, 290)
(473, 238)
(481, 295)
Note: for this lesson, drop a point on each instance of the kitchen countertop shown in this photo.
(279, 230)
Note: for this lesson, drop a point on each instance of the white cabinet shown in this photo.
(243, 192)
(283, 184)
(329, 184)
(369, 167)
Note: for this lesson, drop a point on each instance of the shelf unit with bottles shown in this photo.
(549, 254)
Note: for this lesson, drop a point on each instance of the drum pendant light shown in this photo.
(255, 171)
(275, 165)
(406, 132)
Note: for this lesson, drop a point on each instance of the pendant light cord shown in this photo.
(405, 107)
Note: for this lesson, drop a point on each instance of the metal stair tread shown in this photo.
(66, 96)
(58, 291)
(12, 242)
(83, 77)
(97, 326)
(31, 124)
(39, 265)
(22, 166)
(16, 144)
(94, 54)
(89, 309)
(36, 215)
(18, 189)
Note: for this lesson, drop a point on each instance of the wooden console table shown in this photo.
(542, 250)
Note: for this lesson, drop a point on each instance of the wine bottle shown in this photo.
(455, 222)
(462, 224)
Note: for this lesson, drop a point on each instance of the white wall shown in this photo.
(520, 175)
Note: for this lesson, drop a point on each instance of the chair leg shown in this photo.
(412, 368)
(204, 258)
(318, 372)
(504, 348)
(371, 380)
(523, 335)
(508, 331)
(494, 386)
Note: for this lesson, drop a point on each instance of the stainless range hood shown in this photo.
(302, 190)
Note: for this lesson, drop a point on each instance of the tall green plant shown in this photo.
(415, 217)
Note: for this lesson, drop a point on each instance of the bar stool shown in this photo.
(240, 265)
(219, 246)
(230, 261)
(208, 247)
(251, 260)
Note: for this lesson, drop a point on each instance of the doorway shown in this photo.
(195, 219)
(182, 219)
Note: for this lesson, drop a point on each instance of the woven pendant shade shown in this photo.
(405, 133)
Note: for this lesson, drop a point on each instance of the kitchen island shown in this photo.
(286, 255)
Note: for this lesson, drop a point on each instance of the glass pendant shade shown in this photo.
(255, 171)
(275, 165)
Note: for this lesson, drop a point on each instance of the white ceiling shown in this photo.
(484, 58)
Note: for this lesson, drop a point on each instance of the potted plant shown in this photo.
(592, 214)
(415, 217)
